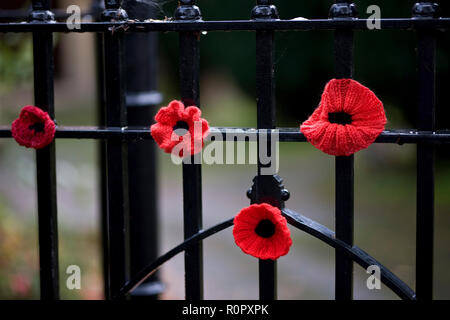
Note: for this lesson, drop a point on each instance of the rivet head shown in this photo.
(285, 194)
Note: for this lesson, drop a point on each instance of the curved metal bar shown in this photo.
(356, 254)
(142, 275)
(297, 220)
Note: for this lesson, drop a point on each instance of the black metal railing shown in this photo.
(118, 135)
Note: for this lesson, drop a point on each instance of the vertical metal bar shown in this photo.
(45, 157)
(344, 225)
(97, 8)
(343, 50)
(266, 119)
(142, 97)
(425, 155)
(265, 80)
(116, 155)
(192, 174)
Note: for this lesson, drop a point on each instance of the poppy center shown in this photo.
(181, 125)
(265, 228)
(339, 117)
(37, 127)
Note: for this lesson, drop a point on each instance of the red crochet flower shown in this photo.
(174, 122)
(34, 128)
(349, 118)
(261, 231)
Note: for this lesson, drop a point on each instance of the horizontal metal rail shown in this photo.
(285, 134)
(231, 25)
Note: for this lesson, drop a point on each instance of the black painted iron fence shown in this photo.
(119, 133)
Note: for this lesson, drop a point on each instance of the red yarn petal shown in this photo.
(251, 243)
(171, 114)
(34, 128)
(205, 128)
(367, 119)
(162, 134)
(192, 113)
(163, 130)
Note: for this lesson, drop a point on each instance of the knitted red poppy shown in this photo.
(261, 231)
(34, 128)
(174, 122)
(349, 118)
